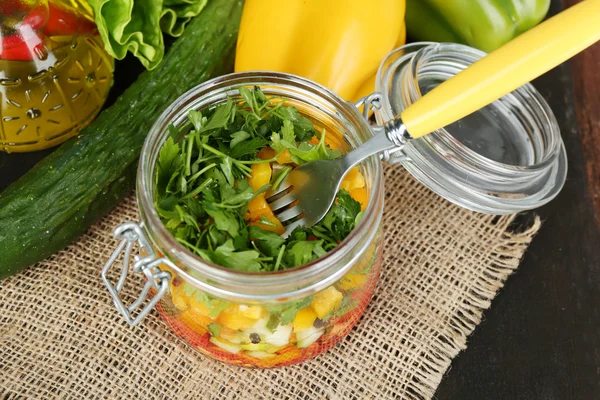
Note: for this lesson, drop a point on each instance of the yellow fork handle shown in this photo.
(505, 69)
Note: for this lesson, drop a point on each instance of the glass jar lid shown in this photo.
(504, 158)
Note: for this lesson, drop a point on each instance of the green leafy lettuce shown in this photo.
(138, 25)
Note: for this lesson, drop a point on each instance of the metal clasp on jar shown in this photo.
(156, 279)
(373, 103)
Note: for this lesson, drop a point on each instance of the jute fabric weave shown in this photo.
(62, 338)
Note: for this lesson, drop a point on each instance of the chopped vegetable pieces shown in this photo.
(325, 301)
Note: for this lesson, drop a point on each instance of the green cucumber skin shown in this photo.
(87, 176)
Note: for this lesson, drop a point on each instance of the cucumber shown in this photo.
(87, 176)
(308, 336)
(261, 355)
(229, 347)
(281, 336)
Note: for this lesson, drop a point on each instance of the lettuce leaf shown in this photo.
(137, 26)
(177, 13)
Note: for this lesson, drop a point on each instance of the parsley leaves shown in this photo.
(203, 192)
(304, 151)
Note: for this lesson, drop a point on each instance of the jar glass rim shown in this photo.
(446, 165)
(432, 47)
(202, 94)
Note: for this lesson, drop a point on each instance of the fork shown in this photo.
(309, 191)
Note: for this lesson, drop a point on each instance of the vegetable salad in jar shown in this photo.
(212, 183)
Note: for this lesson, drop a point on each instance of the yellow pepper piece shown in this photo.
(334, 143)
(304, 319)
(179, 298)
(337, 43)
(259, 208)
(198, 313)
(353, 180)
(285, 157)
(260, 175)
(232, 318)
(195, 322)
(326, 301)
(198, 308)
(352, 281)
(254, 312)
(266, 153)
(361, 195)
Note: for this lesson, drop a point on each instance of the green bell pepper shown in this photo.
(484, 24)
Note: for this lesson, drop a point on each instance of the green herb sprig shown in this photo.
(203, 192)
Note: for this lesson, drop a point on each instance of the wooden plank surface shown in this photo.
(586, 84)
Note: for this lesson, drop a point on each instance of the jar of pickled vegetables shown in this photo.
(54, 72)
(505, 158)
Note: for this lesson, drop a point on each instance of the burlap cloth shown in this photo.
(61, 337)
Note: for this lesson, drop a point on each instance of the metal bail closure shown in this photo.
(130, 233)
(372, 104)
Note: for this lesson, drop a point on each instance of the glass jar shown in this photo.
(259, 319)
(284, 317)
(54, 72)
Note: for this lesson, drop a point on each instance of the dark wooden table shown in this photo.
(541, 338)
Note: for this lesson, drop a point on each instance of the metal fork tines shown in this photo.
(285, 206)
